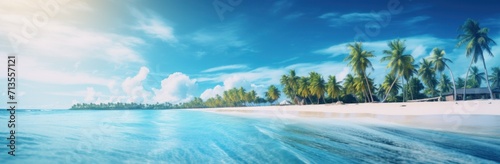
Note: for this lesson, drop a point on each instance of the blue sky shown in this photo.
(157, 51)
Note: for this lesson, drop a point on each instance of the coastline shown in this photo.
(474, 117)
(477, 107)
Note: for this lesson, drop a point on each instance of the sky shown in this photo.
(148, 51)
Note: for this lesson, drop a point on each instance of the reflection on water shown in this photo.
(179, 136)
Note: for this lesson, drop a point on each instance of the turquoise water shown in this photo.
(181, 136)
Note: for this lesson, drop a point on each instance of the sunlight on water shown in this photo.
(179, 136)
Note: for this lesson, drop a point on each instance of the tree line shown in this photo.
(406, 80)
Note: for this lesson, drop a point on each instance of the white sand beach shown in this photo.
(478, 107)
(480, 116)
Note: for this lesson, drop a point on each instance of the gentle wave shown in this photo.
(180, 136)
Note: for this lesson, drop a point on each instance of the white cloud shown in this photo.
(176, 88)
(341, 75)
(225, 68)
(133, 86)
(157, 29)
(355, 17)
(90, 95)
(416, 19)
(412, 43)
(217, 90)
(418, 51)
(236, 81)
(154, 26)
(328, 15)
(335, 50)
(343, 19)
(32, 70)
(261, 78)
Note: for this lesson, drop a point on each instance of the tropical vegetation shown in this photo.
(476, 41)
(404, 81)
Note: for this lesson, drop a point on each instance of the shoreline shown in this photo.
(472, 117)
(476, 107)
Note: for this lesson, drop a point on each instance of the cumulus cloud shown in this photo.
(133, 88)
(261, 78)
(90, 95)
(217, 90)
(230, 82)
(176, 88)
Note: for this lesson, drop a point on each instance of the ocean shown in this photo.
(186, 136)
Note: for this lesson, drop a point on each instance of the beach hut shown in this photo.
(473, 94)
(285, 102)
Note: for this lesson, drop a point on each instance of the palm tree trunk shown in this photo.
(403, 89)
(368, 86)
(410, 88)
(466, 78)
(366, 96)
(387, 93)
(441, 90)
(454, 87)
(486, 76)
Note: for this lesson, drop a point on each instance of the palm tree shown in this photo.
(290, 85)
(440, 63)
(303, 90)
(360, 89)
(317, 85)
(251, 96)
(414, 87)
(408, 72)
(272, 94)
(476, 40)
(358, 60)
(445, 84)
(428, 74)
(242, 95)
(398, 61)
(333, 87)
(495, 77)
(476, 77)
(460, 83)
(349, 84)
(390, 94)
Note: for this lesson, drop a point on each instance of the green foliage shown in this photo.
(495, 77)
(414, 89)
(272, 94)
(477, 41)
(333, 87)
(445, 84)
(359, 61)
(290, 85)
(460, 82)
(236, 97)
(476, 78)
(428, 74)
(401, 64)
(317, 86)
